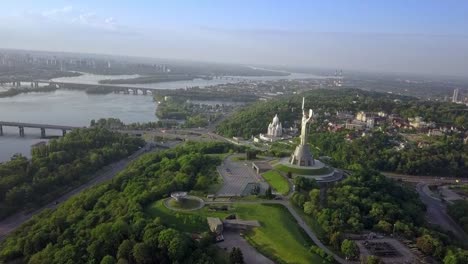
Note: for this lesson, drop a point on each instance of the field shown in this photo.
(299, 171)
(276, 181)
(279, 237)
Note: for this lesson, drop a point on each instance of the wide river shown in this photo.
(76, 108)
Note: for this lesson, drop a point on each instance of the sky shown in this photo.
(414, 36)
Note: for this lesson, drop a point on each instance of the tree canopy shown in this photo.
(108, 222)
(59, 165)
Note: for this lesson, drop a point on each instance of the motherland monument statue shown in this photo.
(302, 155)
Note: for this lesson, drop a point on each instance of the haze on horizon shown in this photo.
(427, 37)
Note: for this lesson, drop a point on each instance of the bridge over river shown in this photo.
(93, 88)
(98, 88)
(42, 127)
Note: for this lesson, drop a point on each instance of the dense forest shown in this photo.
(364, 200)
(189, 114)
(254, 118)
(108, 223)
(367, 200)
(447, 155)
(459, 212)
(58, 166)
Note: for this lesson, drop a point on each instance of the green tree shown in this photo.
(178, 248)
(309, 208)
(428, 245)
(108, 260)
(236, 256)
(335, 240)
(384, 226)
(350, 249)
(141, 253)
(373, 260)
(456, 256)
(125, 250)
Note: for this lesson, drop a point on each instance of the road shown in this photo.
(299, 220)
(436, 212)
(9, 224)
(425, 179)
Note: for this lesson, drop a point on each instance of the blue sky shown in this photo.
(397, 36)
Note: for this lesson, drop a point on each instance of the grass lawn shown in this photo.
(221, 156)
(279, 237)
(299, 171)
(277, 181)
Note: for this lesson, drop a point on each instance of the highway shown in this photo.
(425, 179)
(9, 224)
(436, 212)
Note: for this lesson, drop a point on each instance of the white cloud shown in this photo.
(86, 18)
(57, 12)
(70, 16)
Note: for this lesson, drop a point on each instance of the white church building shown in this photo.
(275, 131)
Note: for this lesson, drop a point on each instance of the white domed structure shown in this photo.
(275, 129)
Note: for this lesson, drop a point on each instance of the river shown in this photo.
(76, 108)
(65, 107)
(87, 78)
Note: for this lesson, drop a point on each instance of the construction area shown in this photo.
(389, 250)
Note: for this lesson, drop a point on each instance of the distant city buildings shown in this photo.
(456, 95)
(336, 80)
(418, 122)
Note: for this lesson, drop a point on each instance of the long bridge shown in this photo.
(42, 127)
(80, 86)
(96, 87)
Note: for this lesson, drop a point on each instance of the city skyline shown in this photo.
(427, 37)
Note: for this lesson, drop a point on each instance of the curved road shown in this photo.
(436, 212)
(12, 222)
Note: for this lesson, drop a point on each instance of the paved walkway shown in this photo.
(236, 176)
(299, 220)
(9, 224)
(251, 255)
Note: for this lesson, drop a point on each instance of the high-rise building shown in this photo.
(456, 95)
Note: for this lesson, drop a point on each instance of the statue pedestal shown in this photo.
(302, 156)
